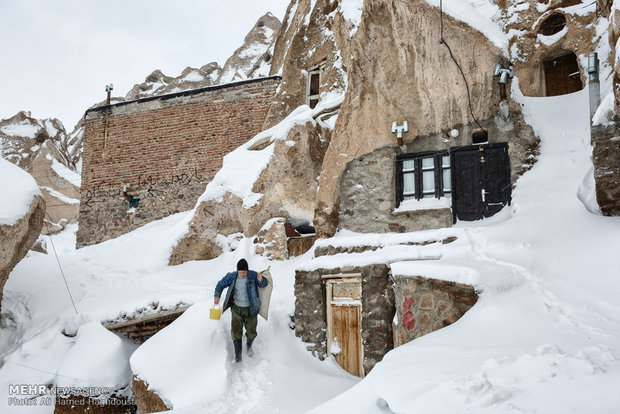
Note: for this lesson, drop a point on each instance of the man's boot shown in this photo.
(250, 352)
(237, 344)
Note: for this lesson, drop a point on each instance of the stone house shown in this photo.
(405, 180)
(358, 313)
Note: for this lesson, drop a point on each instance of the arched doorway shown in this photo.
(561, 74)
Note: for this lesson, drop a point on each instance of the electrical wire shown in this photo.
(442, 40)
(59, 266)
(39, 370)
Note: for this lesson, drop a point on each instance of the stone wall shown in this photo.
(271, 240)
(398, 70)
(297, 246)
(147, 401)
(368, 189)
(140, 329)
(426, 305)
(119, 402)
(165, 149)
(606, 160)
(377, 311)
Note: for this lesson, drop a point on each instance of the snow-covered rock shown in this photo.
(22, 135)
(22, 210)
(253, 58)
(272, 175)
(540, 31)
(183, 364)
(110, 367)
(159, 84)
(59, 185)
(43, 148)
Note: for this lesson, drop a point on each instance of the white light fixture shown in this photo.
(398, 130)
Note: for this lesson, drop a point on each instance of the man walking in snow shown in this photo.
(243, 290)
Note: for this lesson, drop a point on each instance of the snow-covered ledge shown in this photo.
(551, 39)
(423, 204)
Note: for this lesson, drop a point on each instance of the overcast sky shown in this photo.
(56, 56)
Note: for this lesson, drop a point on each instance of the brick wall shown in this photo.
(165, 149)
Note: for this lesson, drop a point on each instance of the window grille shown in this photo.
(423, 175)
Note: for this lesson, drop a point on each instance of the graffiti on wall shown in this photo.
(148, 186)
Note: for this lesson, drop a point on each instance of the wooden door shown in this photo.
(562, 75)
(344, 323)
(480, 181)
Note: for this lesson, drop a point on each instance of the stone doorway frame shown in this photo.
(558, 54)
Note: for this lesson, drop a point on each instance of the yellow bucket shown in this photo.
(215, 313)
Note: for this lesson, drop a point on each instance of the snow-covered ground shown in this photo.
(544, 336)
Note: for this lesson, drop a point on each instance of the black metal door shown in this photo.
(480, 181)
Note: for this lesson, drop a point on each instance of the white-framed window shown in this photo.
(423, 175)
(313, 85)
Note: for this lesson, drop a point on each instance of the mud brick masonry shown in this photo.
(163, 150)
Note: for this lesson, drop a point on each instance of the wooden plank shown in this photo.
(344, 323)
(347, 289)
(342, 276)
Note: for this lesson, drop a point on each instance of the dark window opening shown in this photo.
(41, 137)
(314, 84)
(133, 202)
(480, 136)
(313, 87)
(423, 175)
(562, 74)
(553, 24)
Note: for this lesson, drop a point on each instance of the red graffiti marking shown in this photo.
(408, 320)
(408, 303)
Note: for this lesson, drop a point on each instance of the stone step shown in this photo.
(330, 250)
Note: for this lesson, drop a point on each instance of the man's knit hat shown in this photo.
(242, 265)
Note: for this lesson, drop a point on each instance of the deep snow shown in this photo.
(544, 336)
(17, 191)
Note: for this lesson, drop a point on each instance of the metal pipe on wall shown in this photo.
(594, 86)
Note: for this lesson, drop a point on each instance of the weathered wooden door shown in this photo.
(562, 75)
(344, 323)
(480, 181)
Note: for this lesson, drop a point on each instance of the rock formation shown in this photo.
(544, 31)
(43, 148)
(191, 78)
(292, 168)
(21, 136)
(398, 70)
(251, 60)
(98, 361)
(194, 372)
(21, 217)
(146, 399)
(60, 187)
(389, 74)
